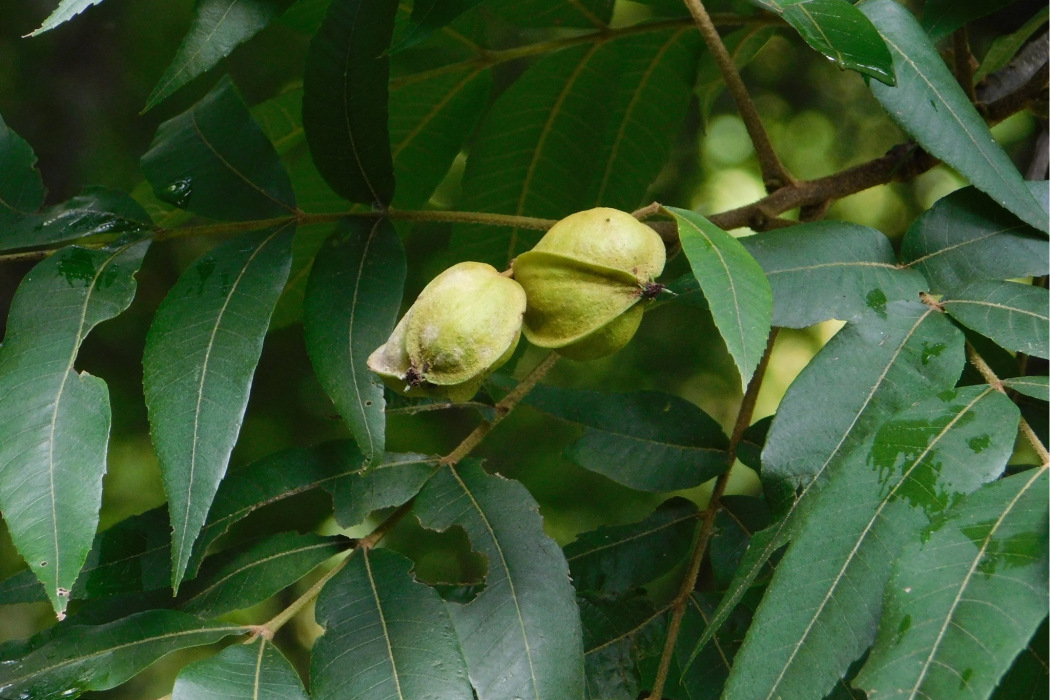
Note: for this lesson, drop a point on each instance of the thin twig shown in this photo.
(993, 381)
(963, 62)
(678, 607)
(774, 174)
(502, 409)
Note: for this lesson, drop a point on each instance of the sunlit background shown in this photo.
(75, 95)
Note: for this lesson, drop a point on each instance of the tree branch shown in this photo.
(774, 174)
(743, 420)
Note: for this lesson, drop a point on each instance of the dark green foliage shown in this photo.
(638, 526)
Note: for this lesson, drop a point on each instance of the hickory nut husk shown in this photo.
(463, 326)
(584, 281)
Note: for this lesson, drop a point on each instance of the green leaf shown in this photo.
(521, 635)
(21, 187)
(1013, 315)
(1005, 47)
(66, 10)
(705, 677)
(545, 150)
(735, 523)
(614, 560)
(966, 598)
(1036, 387)
(239, 580)
(200, 356)
(97, 211)
(872, 368)
(822, 608)
(840, 31)
(345, 99)
(337, 467)
(966, 236)
(1029, 675)
(56, 420)
(215, 161)
(824, 270)
(734, 285)
(218, 27)
(646, 440)
(431, 15)
(351, 304)
(82, 658)
(377, 609)
(942, 17)
(131, 556)
(239, 672)
(929, 105)
(430, 119)
(617, 633)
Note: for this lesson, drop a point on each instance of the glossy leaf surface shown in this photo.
(616, 559)
(965, 599)
(840, 31)
(826, 270)
(1016, 316)
(97, 210)
(218, 27)
(351, 304)
(239, 672)
(646, 440)
(403, 640)
(734, 285)
(345, 95)
(56, 420)
(100, 657)
(214, 160)
(929, 104)
(967, 237)
(822, 608)
(521, 635)
(198, 364)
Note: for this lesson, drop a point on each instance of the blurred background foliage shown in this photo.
(75, 94)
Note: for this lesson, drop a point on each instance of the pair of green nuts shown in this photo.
(577, 291)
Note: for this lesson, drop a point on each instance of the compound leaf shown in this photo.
(822, 608)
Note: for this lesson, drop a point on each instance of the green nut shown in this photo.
(463, 326)
(584, 281)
